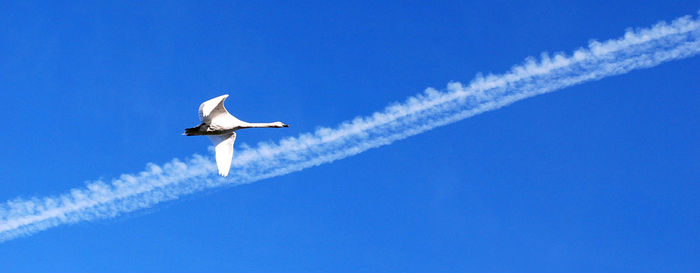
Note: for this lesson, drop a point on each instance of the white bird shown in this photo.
(220, 126)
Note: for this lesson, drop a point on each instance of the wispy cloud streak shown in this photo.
(640, 48)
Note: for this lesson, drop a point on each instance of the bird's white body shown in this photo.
(221, 127)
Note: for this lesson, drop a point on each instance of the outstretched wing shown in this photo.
(211, 108)
(223, 146)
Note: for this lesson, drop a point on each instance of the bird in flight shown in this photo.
(220, 126)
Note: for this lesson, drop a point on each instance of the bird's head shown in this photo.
(280, 124)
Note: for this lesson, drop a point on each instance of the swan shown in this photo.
(220, 126)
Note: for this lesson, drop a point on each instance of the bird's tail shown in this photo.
(195, 131)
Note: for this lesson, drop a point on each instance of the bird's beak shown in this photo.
(286, 125)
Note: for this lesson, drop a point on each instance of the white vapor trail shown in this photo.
(639, 48)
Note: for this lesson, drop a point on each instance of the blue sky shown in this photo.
(597, 177)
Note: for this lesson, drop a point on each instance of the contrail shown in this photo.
(639, 48)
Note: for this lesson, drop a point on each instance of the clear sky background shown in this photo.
(600, 177)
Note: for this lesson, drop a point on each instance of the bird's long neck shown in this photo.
(261, 125)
